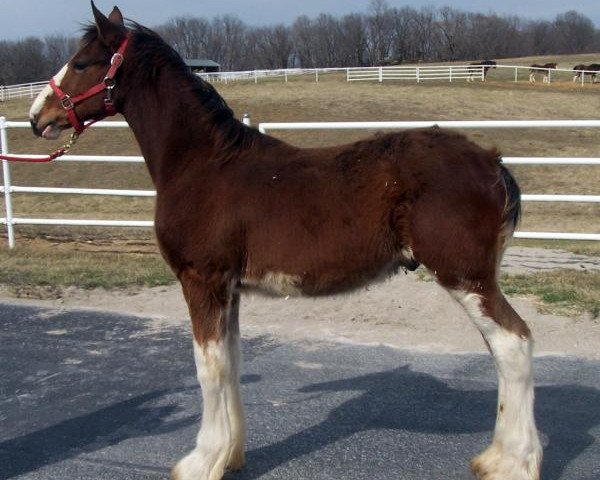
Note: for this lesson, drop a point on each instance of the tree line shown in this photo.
(381, 36)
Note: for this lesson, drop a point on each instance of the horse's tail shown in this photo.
(512, 207)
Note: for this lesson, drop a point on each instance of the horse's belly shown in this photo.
(321, 279)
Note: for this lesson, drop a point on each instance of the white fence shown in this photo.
(10, 219)
(256, 75)
(413, 73)
(457, 72)
(416, 73)
(23, 90)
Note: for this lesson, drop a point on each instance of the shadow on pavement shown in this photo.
(405, 400)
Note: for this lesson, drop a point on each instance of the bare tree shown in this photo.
(352, 49)
(575, 32)
(58, 50)
(327, 41)
(540, 38)
(452, 25)
(23, 61)
(270, 47)
(379, 31)
(227, 41)
(304, 42)
(189, 36)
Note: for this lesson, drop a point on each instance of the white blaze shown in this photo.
(38, 103)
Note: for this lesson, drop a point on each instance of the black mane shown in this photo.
(154, 55)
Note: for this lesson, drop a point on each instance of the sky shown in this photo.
(23, 18)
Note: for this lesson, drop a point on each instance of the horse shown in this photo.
(590, 70)
(475, 68)
(533, 69)
(239, 211)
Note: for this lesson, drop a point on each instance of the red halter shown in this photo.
(107, 85)
(69, 103)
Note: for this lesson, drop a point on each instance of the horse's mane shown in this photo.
(153, 54)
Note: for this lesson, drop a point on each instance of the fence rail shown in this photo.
(10, 220)
(456, 72)
(417, 73)
(23, 90)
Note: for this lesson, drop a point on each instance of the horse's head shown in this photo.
(82, 89)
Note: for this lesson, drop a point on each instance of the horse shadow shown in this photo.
(135, 417)
(405, 400)
(398, 399)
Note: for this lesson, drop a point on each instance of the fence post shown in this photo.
(418, 77)
(516, 74)
(7, 187)
(549, 76)
(316, 75)
(380, 74)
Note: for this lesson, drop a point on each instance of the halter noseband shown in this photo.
(107, 85)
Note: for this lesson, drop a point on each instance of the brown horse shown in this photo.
(239, 210)
(591, 70)
(536, 68)
(475, 68)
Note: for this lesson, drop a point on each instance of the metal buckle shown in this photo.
(117, 59)
(66, 103)
(109, 83)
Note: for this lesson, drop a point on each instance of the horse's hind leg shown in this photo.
(464, 259)
(213, 308)
(515, 452)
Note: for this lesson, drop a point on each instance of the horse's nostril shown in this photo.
(34, 127)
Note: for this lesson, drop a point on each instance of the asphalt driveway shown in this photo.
(92, 395)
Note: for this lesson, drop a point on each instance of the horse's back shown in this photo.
(359, 210)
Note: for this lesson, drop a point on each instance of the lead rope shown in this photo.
(48, 158)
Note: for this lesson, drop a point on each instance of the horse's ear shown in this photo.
(109, 29)
(116, 17)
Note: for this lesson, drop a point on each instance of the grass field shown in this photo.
(301, 99)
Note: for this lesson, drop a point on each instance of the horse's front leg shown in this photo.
(213, 308)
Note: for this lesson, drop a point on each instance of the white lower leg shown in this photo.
(221, 414)
(515, 452)
(235, 408)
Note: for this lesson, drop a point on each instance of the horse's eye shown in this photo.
(79, 66)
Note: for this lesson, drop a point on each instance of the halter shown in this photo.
(69, 103)
(107, 85)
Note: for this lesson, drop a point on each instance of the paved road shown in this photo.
(98, 396)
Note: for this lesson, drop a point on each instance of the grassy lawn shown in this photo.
(116, 258)
(564, 292)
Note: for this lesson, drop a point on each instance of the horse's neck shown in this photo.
(168, 122)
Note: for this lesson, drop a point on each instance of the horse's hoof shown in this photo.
(495, 464)
(236, 462)
(196, 466)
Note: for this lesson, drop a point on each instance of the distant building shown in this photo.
(202, 65)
